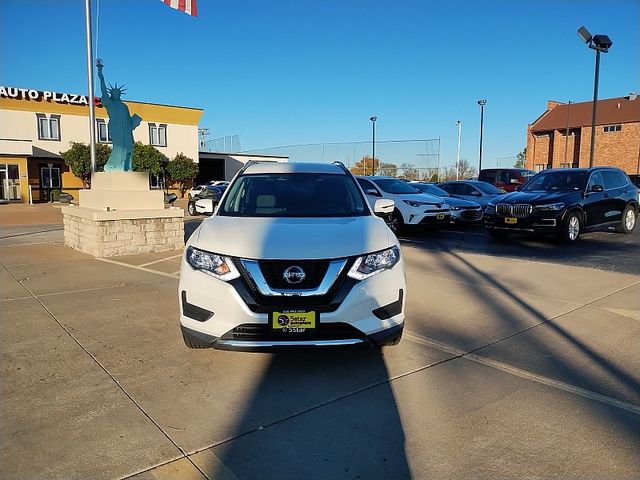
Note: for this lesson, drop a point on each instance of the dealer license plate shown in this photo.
(293, 321)
(510, 220)
(440, 216)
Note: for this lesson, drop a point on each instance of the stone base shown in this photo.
(106, 234)
(121, 191)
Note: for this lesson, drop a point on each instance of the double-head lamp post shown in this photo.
(599, 43)
(373, 144)
(482, 103)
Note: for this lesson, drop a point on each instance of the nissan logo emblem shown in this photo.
(294, 275)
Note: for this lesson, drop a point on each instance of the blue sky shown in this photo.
(281, 72)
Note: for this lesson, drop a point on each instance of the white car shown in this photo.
(411, 206)
(294, 256)
(196, 191)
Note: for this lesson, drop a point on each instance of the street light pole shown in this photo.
(482, 103)
(595, 107)
(599, 43)
(459, 124)
(373, 144)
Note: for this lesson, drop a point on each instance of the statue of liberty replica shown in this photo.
(121, 125)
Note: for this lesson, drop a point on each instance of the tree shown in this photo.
(183, 170)
(521, 158)
(370, 166)
(409, 172)
(78, 159)
(465, 170)
(147, 158)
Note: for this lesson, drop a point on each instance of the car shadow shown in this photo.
(550, 347)
(331, 414)
(190, 226)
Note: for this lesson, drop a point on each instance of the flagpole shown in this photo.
(92, 112)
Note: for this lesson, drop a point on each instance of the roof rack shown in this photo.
(342, 166)
(253, 162)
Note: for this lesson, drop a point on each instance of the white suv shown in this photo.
(411, 206)
(293, 256)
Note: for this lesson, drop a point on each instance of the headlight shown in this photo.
(454, 207)
(369, 265)
(219, 267)
(415, 203)
(491, 207)
(550, 207)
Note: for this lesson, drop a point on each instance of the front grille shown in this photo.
(471, 214)
(314, 270)
(262, 332)
(519, 210)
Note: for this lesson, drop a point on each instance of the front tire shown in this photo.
(396, 223)
(191, 208)
(628, 222)
(571, 228)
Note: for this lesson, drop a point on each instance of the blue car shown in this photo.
(472, 190)
(462, 211)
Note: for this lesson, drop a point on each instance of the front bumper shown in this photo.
(469, 215)
(231, 315)
(542, 222)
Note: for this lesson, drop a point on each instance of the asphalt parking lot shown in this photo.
(513, 365)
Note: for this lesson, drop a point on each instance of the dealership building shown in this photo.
(561, 136)
(35, 126)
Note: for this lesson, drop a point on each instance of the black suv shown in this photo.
(566, 202)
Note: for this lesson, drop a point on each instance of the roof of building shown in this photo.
(610, 111)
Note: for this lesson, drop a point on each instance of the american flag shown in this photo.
(186, 6)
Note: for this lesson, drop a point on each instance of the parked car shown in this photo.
(462, 211)
(472, 190)
(566, 202)
(206, 201)
(411, 206)
(195, 191)
(508, 179)
(266, 270)
(217, 183)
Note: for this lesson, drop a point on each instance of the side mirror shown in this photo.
(373, 192)
(596, 188)
(383, 207)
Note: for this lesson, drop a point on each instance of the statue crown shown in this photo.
(120, 89)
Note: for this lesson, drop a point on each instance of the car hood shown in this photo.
(538, 197)
(459, 202)
(292, 238)
(419, 197)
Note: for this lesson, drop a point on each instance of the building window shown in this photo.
(156, 182)
(568, 165)
(158, 135)
(612, 128)
(572, 132)
(538, 167)
(50, 177)
(102, 127)
(48, 127)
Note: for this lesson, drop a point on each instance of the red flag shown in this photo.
(186, 6)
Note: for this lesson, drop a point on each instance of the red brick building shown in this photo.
(561, 136)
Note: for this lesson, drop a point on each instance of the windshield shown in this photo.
(488, 188)
(393, 186)
(294, 195)
(556, 181)
(430, 189)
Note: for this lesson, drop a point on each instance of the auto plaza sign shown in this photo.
(45, 95)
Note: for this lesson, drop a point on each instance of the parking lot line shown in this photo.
(136, 267)
(161, 260)
(629, 407)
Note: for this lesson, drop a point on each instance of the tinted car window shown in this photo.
(549, 181)
(613, 179)
(595, 179)
(488, 188)
(430, 189)
(488, 176)
(365, 184)
(468, 190)
(448, 187)
(294, 195)
(393, 186)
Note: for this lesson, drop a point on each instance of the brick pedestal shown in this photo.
(106, 223)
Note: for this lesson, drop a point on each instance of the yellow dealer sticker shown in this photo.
(293, 321)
